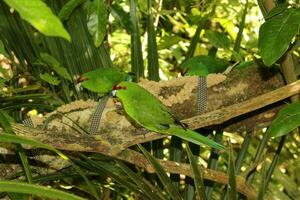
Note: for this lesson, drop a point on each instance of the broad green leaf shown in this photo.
(204, 65)
(168, 41)
(55, 65)
(287, 119)
(2, 50)
(217, 39)
(277, 10)
(123, 17)
(40, 16)
(68, 8)
(165, 180)
(25, 188)
(48, 60)
(276, 34)
(97, 21)
(50, 79)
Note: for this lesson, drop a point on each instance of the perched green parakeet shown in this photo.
(149, 112)
(102, 80)
(202, 66)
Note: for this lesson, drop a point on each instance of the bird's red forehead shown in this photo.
(119, 87)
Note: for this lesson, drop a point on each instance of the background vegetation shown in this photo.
(46, 45)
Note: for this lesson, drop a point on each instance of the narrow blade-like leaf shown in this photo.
(25, 188)
(198, 179)
(172, 191)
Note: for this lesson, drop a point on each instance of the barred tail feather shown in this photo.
(194, 137)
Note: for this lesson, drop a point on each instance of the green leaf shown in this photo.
(287, 119)
(4, 72)
(4, 122)
(68, 8)
(277, 10)
(232, 194)
(50, 79)
(204, 65)
(168, 41)
(25, 188)
(153, 64)
(137, 62)
(4, 137)
(123, 17)
(149, 190)
(2, 50)
(276, 34)
(198, 179)
(166, 181)
(97, 21)
(217, 39)
(55, 65)
(245, 64)
(40, 16)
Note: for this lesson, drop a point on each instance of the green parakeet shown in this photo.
(202, 66)
(149, 112)
(102, 80)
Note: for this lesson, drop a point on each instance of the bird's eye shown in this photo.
(115, 87)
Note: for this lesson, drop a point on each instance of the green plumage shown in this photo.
(103, 80)
(146, 110)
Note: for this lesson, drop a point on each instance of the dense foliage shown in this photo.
(45, 47)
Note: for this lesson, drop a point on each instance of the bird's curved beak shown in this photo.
(113, 93)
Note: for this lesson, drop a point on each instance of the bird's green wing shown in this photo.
(144, 107)
(102, 80)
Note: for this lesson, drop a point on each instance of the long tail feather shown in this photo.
(194, 137)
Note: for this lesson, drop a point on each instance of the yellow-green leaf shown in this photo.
(97, 21)
(40, 16)
(276, 34)
(286, 120)
(50, 79)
